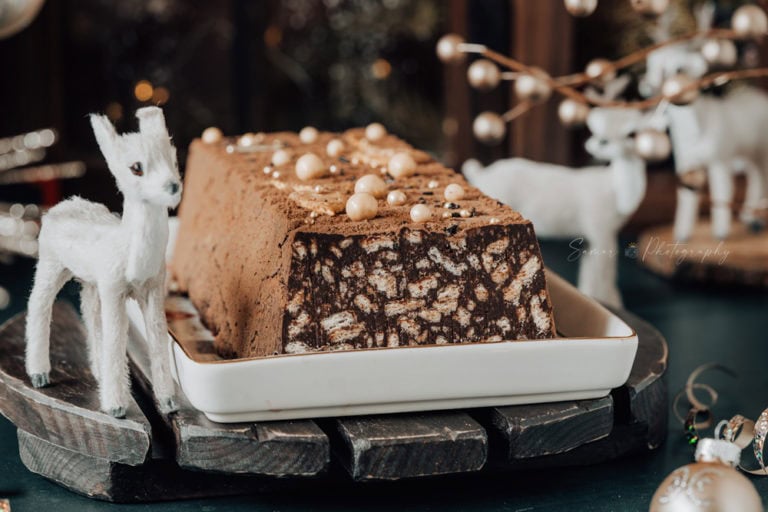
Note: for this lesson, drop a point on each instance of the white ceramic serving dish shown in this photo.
(595, 355)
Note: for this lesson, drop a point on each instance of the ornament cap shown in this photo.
(718, 450)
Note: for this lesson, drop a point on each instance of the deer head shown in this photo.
(612, 130)
(144, 163)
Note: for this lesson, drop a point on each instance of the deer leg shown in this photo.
(721, 192)
(91, 311)
(686, 213)
(598, 270)
(153, 308)
(50, 276)
(114, 387)
(754, 196)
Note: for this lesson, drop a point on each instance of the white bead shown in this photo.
(493, 220)
(280, 157)
(246, 140)
(230, 148)
(362, 206)
(454, 192)
(401, 165)
(308, 134)
(421, 213)
(212, 135)
(309, 167)
(276, 174)
(334, 148)
(267, 169)
(334, 169)
(371, 184)
(375, 131)
(433, 184)
(465, 213)
(396, 198)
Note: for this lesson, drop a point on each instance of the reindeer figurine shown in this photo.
(590, 203)
(114, 259)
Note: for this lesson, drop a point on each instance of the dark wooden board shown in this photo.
(410, 445)
(278, 448)
(159, 479)
(67, 413)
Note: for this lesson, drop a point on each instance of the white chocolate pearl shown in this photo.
(308, 134)
(465, 213)
(454, 192)
(334, 169)
(493, 220)
(433, 184)
(371, 184)
(276, 174)
(362, 206)
(375, 131)
(267, 169)
(401, 165)
(421, 213)
(309, 167)
(246, 140)
(280, 157)
(230, 148)
(212, 135)
(396, 198)
(334, 148)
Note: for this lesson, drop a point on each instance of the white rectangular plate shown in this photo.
(595, 356)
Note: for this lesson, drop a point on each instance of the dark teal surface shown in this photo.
(701, 325)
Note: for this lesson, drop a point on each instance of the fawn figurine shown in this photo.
(114, 259)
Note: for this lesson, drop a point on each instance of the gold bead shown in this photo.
(580, 8)
(483, 75)
(749, 21)
(600, 70)
(650, 7)
(533, 86)
(489, 128)
(309, 167)
(448, 49)
(361, 206)
(396, 198)
(652, 145)
(421, 213)
(211, 135)
(720, 52)
(678, 89)
(371, 184)
(572, 112)
(401, 165)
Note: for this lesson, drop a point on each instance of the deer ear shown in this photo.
(105, 134)
(152, 121)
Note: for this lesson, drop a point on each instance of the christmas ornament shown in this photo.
(650, 7)
(680, 89)
(580, 8)
(711, 484)
(600, 70)
(483, 75)
(652, 145)
(749, 21)
(572, 112)
(533, 86)
(489, 128)
(720, 52)
(15, 15)
(448, 49)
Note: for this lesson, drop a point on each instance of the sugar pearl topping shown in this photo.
(362, 206)
(334, 148)
(433, 184)
(454, 192)
(396, 198)
(308, 134)
(280, 157)
(375, 132)
(401, 165)
(421, 213)
(212, 135)
(309, 167)
(246, 140)
(371, 184)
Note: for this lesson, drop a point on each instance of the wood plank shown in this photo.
(413, 445)
(280, 448)
(527, 431)
(67, 412)
(159, 479)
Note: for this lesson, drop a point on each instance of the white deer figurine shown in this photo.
(724, 136)
(114, 259)
(589, 204)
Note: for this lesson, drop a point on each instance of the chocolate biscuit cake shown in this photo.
(287, 253)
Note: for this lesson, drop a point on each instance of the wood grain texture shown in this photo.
(157, 480)
(280, 448)
(67, 412)
(412, 445)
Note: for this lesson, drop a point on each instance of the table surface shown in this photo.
(701, 325)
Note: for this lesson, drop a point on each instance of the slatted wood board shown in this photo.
(150, 457)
